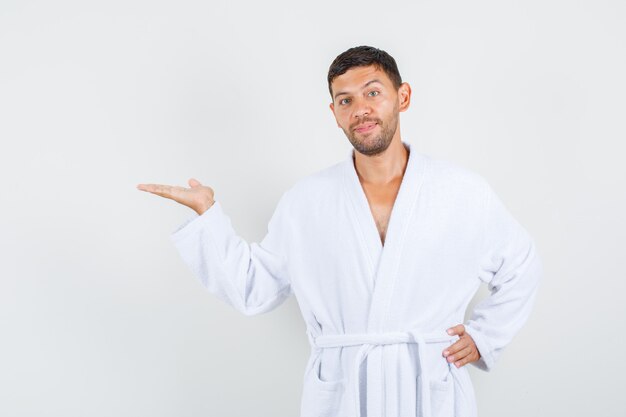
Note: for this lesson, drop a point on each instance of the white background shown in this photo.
(98, 314)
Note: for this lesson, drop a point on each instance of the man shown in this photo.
(383, 251)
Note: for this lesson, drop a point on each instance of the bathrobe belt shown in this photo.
(370, 340)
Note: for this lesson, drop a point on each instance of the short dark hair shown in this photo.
(361, 56)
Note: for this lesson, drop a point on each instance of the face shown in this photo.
(366, 107)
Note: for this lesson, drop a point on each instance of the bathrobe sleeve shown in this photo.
(511, 268)
(251, 277)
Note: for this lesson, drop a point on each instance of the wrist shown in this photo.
(204, 207)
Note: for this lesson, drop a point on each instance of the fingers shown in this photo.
(458, 346)
(153, 188)
(166, 191)
(464, 350)
(472, 356)
(461, 355)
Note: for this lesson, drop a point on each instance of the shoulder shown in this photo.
(446, 173)
(319, 184)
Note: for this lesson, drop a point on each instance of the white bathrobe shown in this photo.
(376, 316)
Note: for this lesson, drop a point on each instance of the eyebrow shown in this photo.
(365, 85)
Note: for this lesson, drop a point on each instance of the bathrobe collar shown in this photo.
(383, 261)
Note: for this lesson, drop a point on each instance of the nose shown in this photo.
(361, 108)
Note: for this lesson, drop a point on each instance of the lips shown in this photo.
(365, 127)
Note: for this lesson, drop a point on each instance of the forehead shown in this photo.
(355, 77)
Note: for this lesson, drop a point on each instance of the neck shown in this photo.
(382, 168)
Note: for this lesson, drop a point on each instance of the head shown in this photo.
(367, 95)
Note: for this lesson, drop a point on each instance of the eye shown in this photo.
(374, 91)
(342, 100)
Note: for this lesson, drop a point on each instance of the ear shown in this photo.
(404, 96)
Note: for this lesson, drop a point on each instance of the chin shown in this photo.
(370, 147)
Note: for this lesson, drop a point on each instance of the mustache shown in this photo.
(354, 125)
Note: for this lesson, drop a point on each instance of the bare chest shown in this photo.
(381, 200)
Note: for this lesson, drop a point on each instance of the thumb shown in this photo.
(194, 182)
(459, 329)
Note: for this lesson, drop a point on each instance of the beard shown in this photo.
(373, 144)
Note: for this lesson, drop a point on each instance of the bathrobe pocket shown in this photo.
(320, 398)
(442, 396)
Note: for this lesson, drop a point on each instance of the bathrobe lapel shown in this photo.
(384, 260)
(362, 219)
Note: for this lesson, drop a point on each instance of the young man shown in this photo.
(383, 251)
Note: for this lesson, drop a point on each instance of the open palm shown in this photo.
(198, 197)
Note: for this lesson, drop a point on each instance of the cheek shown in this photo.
(343, 119)
(389, 111)
(388, 107)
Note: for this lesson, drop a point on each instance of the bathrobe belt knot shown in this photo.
(370, 341)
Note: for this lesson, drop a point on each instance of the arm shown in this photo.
(252, 277)
(512, 270)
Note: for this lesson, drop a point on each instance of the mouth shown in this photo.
(366, 127)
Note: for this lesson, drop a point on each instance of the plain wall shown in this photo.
(98, 314)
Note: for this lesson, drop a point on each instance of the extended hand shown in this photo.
(464, 350)
(199, 197)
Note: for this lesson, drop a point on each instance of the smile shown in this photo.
(366, 128)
